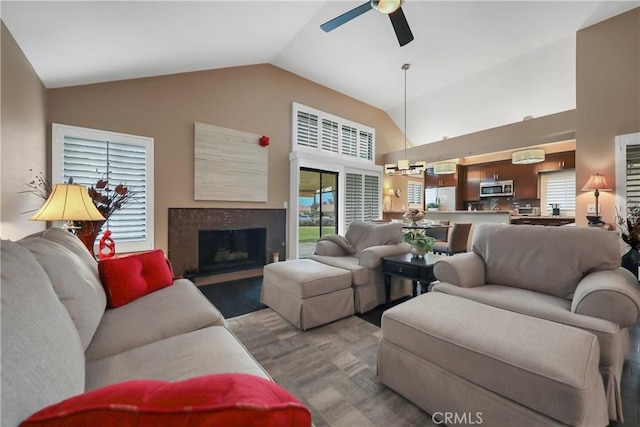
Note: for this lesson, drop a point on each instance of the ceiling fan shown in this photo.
(388, 7)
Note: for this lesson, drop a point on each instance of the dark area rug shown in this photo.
(240, 297)
(375, 316)
(235, 298)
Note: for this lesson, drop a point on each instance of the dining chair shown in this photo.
(457, 240)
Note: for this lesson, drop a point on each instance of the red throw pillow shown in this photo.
(130, 277)
(212, 400)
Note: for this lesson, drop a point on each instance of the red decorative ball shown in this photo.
(264, 140)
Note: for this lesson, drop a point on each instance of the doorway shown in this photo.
(317, 208)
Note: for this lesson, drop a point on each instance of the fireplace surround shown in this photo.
(185, 224)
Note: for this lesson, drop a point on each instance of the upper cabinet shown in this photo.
(497, 171)
(446, 180)
(471, 177)
(525, 181)
(558, 161)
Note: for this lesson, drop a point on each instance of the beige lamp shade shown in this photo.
(532, 155)
(444, 168)
(68, 202)
(596, 182)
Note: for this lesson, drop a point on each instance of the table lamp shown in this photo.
(598, 183)
(69, 202)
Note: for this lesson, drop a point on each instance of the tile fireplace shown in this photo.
(188, 225)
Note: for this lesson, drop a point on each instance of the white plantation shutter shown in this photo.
(317, 130)
(307, 130)
(353, 199)
(633, 175)
(349, 139)
(87, 155)
(365, 145)
(414, 194)
(329, 136)
(362, 197)
(559, 187)
(371, 199)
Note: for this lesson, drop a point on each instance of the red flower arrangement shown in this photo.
(109, 200)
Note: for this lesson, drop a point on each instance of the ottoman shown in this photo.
(466, 361)
(307, 293)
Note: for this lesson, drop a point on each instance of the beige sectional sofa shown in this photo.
(60, 340)
(561, 279)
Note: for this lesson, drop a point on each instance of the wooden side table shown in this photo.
(409, 267)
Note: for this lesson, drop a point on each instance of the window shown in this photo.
(414, 194)
(88, 155)
(558, 187)
(317, 130)
(362, 198)
(633, 175)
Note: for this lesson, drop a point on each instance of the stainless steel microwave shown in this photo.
(496, 188)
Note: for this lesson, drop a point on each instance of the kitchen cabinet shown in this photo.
(558, 161)
(447, 180)
(497, 171)
(525, 181)
(471, 177)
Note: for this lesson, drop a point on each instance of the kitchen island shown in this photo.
(499, 217)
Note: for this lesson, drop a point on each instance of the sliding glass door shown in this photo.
(317, 208)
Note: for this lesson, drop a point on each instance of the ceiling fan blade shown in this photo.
(346, 17)
(401, 27)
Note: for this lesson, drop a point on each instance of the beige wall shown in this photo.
(608, 102)
(254, 99)
(23, 135)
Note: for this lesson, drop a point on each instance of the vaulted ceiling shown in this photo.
(474, 64)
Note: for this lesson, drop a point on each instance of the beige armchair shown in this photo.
(360, 251)
(568, 275)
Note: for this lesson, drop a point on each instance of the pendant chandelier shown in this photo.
(405, 167)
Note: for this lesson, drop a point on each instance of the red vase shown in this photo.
(89, 232)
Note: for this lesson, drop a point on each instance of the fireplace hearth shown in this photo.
(224, 251)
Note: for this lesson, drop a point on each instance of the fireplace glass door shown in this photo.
(317, 208)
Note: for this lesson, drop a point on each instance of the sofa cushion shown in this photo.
(222, 399)
(362, 235)
(359, 273)
(521, 255)
(211, 350)
(129, 277)
(73, 243)
(42, 355)
(153, 317)
(75, 283)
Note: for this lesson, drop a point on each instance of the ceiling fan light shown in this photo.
(444, 168)
(524, 157)
(385, 6)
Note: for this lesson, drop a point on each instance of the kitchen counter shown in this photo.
(543, 220)
(541, 217)
(500, 217)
